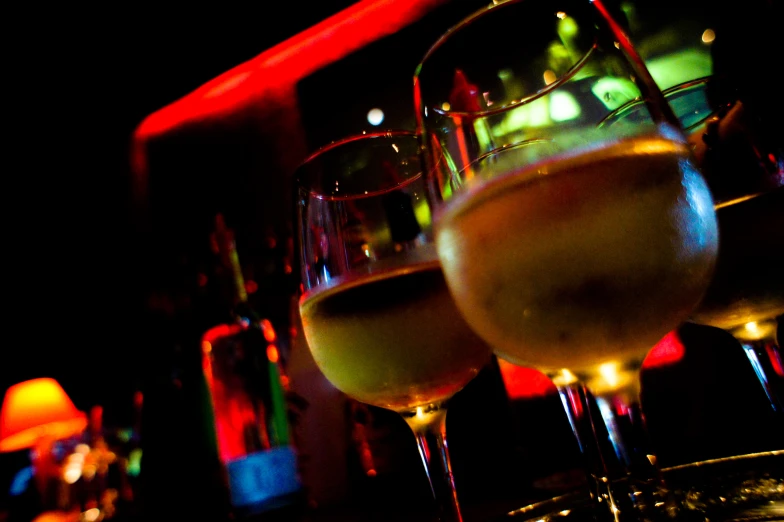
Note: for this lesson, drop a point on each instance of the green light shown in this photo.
(563, 106)
(422, 211)
(135, 462)
(675, 68)
(568, 28)
(614, 91)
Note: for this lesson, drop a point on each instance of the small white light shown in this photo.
(375, 116)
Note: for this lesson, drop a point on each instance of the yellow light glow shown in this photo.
(549, 77)
(564, 378)
(76, 458)
(71, 474)
(561, 15)
(89, 471)
(420, 413)
(446, 106)
(609, 372)
(708, 36)
(752, 327)
(91, 515)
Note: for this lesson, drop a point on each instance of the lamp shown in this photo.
(35, 414)
(35, 410)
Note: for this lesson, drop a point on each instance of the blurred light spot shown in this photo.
(272, 353)
(445, 106)
(522, 382)
(72, 474)
(564, 378)
(708, 36)
(668, 350)
(609, 372)
(549, 77)
(564, 106)
(567, 27)
(269, 331)
(134, 462)
(21, 481)
(561, 15)
(251, 286)
(91, 515)
(752, 327)
(375, 116)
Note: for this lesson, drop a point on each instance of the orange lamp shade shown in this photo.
(37, 409)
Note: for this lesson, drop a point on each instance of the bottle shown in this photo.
(241, 362)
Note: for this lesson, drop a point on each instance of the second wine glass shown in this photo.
(570, 245)
(375, 308)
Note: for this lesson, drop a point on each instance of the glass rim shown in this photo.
(625, 46)
(355, 137)
(352, 138)
(462, 24)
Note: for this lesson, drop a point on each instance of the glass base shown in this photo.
(744, 488)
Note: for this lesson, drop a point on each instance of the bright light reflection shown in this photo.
(752, 327)
(561, 15)
(564, 378)
(708, 36)
(375, 116)
(91, 515)
(72, 474)
(609, 372)
(395, 147)
(76, 458)
(549, 77)
(564, 106)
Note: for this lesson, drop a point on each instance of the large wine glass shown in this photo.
(571, 243)
(375, 308)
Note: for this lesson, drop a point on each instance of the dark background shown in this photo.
(80, 81)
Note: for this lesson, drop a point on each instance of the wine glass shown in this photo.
(737, 150)
(571, 241)
(375, 309)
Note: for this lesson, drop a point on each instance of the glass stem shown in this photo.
(765, 357)
(621, 469)
(429, 426)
